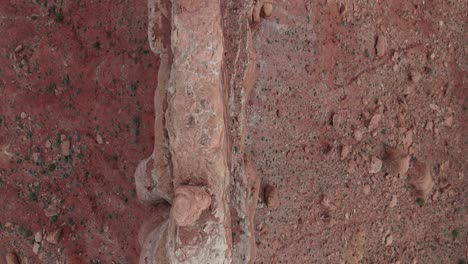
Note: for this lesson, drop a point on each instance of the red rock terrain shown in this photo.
(352, 113)
(77, 78)
(340, 85)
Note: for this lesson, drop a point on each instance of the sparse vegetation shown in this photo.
(52, 167)
(66, 80)
(33, 196)
(58, 16)
(54, 219)
(51, 87)
(136, 124)
(97, 45)
(420, 202)
(25, 232)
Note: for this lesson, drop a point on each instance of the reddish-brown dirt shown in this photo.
(325, 109)
(319, 81)
(80, 69)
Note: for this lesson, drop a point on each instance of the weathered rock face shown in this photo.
(201, 88)
(189, 202)
(420, 178)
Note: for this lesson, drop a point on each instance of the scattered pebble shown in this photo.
(52, 210)
(429, 126)
(358, 135)
(376, 165)
(389, 240)
(99, 139)
(48, 144)
(345, 150)
(65, 147)
(448, 121)
(342, 8)
(381, 46)
(271, 196)
(54, 236)
(11, 258)
(35, 157)
(394, 201)
(23, 115)
(397, 161)
(19, 48)
(375, 121)
(420, 178)
(407, 140)
(36, 248)
(38, 236)
(415, 76)
(267, 10)
(325, 202)
(366, 189)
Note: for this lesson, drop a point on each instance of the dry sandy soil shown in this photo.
(340, 84)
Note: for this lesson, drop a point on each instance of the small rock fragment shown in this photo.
(389, 240)
(358, 135)
(420, 178)
(65, 146)
(325, 201)
(267, 10)
(407, 140)
(342, 8)
(415, 76)
(52, 210)
(99, 139)
(38, 236)
(345, 149)
(36, 248)
(11, 258)
(381, 45)
(429, 126)
(54, 236)
(35, 157)
(19, 48)
(375, 121)
(394, 201)
(376, 165)
(48, 144)
(366, 189)
(397, 160)
(448, 121)
(23, 115)
(188, 204)
(271, 196)
(336, 120)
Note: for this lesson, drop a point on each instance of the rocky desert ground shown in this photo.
(339, 135)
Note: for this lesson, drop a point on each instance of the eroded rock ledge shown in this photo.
(198, 165)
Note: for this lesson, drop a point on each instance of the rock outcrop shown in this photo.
(203, 85)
